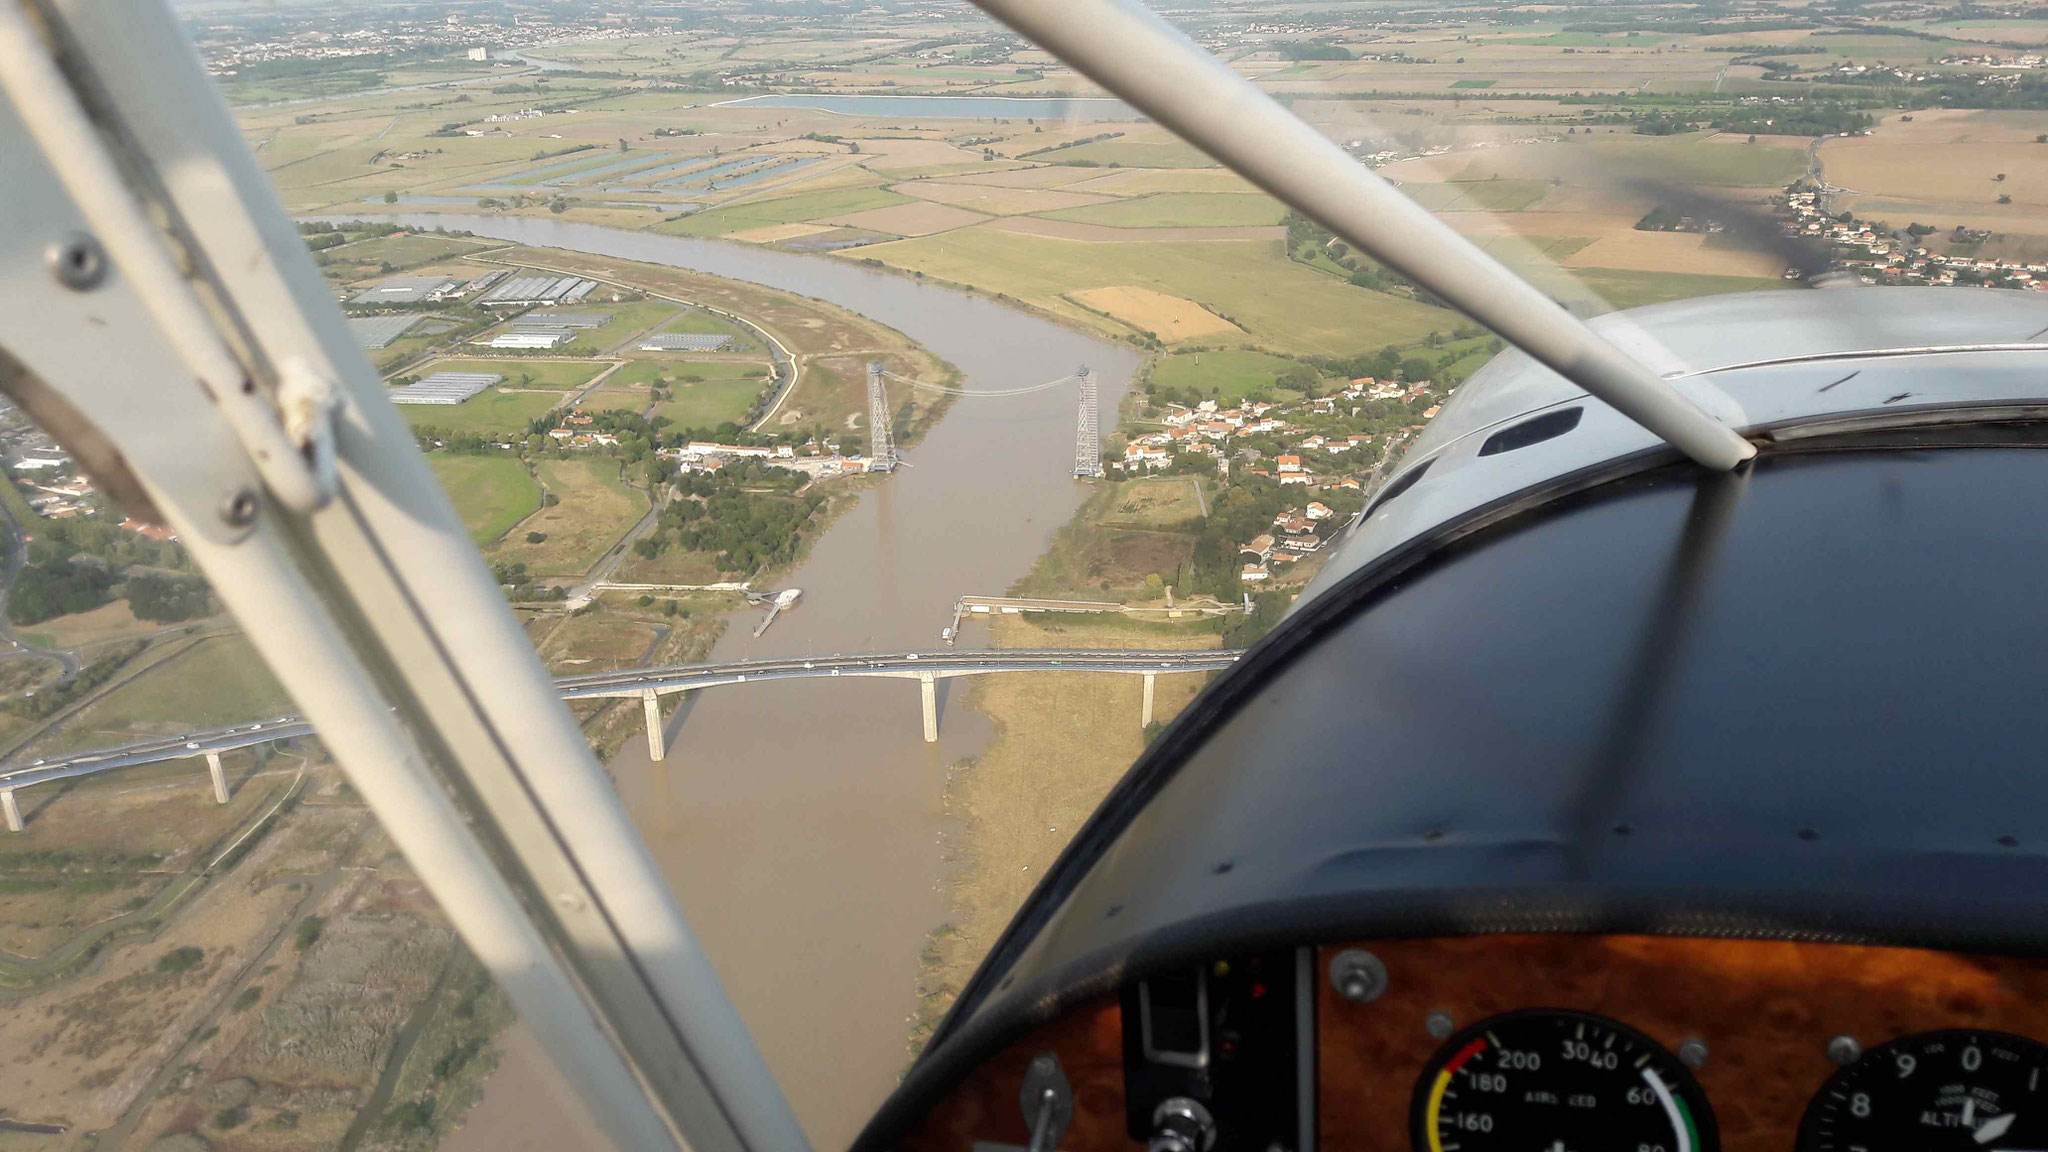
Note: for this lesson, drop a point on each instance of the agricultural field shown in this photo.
(492, 412)
(491, 493)
(710, 403)
(1179, 210)
(387, 254)
(592, 508)
(1225, 375)
(1167, 318)
(811, 206)
(525, 372)
(1250, 285)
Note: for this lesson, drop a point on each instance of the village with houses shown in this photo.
(1877, 252)
(1304, 464)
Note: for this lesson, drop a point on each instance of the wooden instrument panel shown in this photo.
(1765, 1010)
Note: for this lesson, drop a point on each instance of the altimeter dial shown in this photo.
(1950, 1091)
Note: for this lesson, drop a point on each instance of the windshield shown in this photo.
(884, 432)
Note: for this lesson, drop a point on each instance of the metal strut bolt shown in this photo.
(78, 262)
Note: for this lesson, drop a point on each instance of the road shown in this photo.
(674, 678)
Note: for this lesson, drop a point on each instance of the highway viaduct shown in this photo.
(649, 685)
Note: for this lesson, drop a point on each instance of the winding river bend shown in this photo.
(799, 823)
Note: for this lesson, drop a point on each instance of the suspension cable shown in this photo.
(982, 393)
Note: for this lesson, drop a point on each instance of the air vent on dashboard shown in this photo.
(1534, 430)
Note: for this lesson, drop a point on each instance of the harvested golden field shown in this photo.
(1170, 318)
(1673, 252)
(1032, 141)
(775, 233)
(911, 219)
(107, 622)
(887, 155)
(1045, 176)
(1106, 234)
(998, 201)
(1956, 172)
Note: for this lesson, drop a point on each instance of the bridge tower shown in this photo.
(1087, 437)
(881, 445)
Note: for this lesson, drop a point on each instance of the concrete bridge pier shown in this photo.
(1145, 721)
(657, 747)
(928, 684)
(13, 809)
(220, 778)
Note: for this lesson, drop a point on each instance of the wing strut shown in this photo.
(1154, 68)
(167, 322)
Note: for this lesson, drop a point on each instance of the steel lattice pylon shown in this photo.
(1087, 438)
(881, 446)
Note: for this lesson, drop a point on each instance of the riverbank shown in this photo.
(1062, 739)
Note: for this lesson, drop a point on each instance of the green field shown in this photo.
(698, 320)
(1252, 284)
(1178, 210)
(217, 681)
(491, 493)
(613, 399)
(1225, 375)
(788, 210)
(1472, 83)
(679, 372)
(709, 403)
(561, 375)
(628, 321)
(488, 413)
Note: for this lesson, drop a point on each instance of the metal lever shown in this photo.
(1047, 1101)
(1181, 1125)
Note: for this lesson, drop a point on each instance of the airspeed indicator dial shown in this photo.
(1952, 1091)
(1552, 1081)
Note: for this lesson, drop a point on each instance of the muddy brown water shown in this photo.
(799, 821)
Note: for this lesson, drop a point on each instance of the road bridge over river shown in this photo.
(650, 684)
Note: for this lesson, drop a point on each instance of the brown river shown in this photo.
(799, 821)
